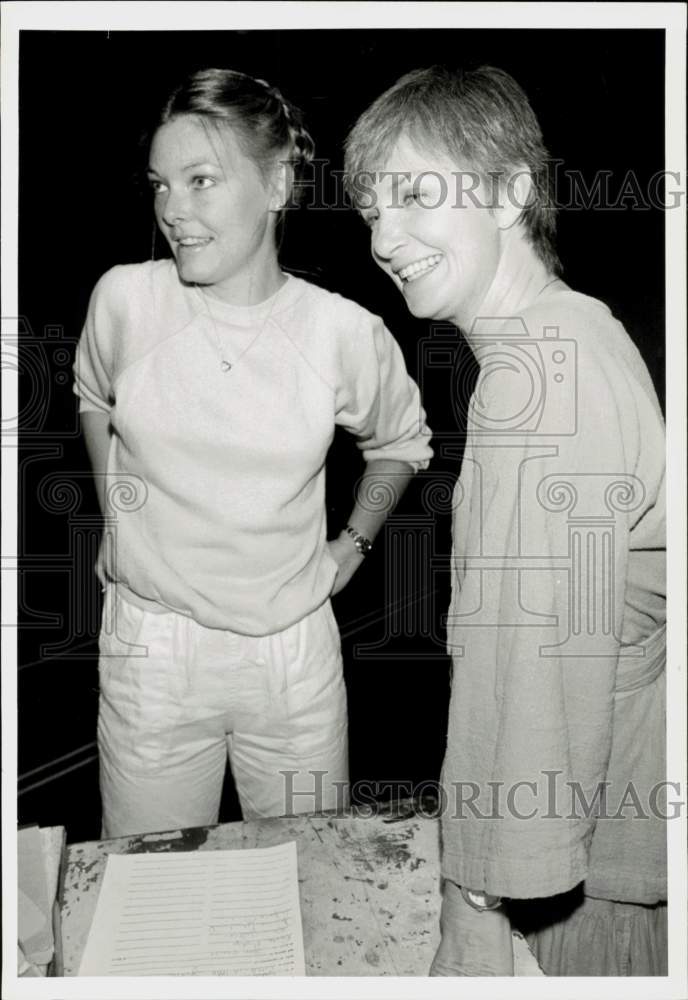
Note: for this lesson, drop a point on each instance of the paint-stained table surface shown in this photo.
(369, 888)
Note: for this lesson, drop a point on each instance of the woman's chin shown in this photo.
(192, 273)
(423, 308)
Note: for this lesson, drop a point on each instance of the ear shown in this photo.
(280, 185)
(514, 197)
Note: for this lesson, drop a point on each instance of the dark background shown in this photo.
(84, 99)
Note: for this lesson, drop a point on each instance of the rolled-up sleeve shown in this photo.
(377, 400)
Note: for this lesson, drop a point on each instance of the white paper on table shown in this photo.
(201, 913)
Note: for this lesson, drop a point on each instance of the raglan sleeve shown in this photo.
(94, 361)
(376, 399)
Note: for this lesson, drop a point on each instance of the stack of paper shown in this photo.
(201, 913)
(39, 863)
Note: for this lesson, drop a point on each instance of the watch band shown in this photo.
(363, 544)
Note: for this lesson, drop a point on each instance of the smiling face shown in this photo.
(430, 236)
(215, 210)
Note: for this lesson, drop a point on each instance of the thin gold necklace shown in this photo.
(225, 365)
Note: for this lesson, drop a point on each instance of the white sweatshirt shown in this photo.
(217, 478)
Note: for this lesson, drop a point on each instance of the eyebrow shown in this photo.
(187, 166)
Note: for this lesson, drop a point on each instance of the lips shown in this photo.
(193, 243)
(419, 267)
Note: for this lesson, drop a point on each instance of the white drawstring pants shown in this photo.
(176, 698)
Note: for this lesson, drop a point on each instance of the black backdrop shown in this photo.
(84, 98)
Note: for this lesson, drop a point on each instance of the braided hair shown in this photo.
(268, 127)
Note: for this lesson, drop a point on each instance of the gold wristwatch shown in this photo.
(363, 544)
(481, 900)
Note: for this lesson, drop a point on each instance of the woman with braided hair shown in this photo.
(210, 386)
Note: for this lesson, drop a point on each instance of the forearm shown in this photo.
(95, 427)
(379, 491)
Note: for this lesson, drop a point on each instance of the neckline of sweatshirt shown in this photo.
(216, 309)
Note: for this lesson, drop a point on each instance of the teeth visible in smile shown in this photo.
(193, 241)
(419, 267)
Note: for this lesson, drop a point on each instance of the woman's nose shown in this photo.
(175, 208)
(387, 235)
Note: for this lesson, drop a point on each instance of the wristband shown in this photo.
(363, 544)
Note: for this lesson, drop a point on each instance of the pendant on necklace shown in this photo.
(226, 366)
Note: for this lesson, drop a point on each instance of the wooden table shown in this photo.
(369, 888)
